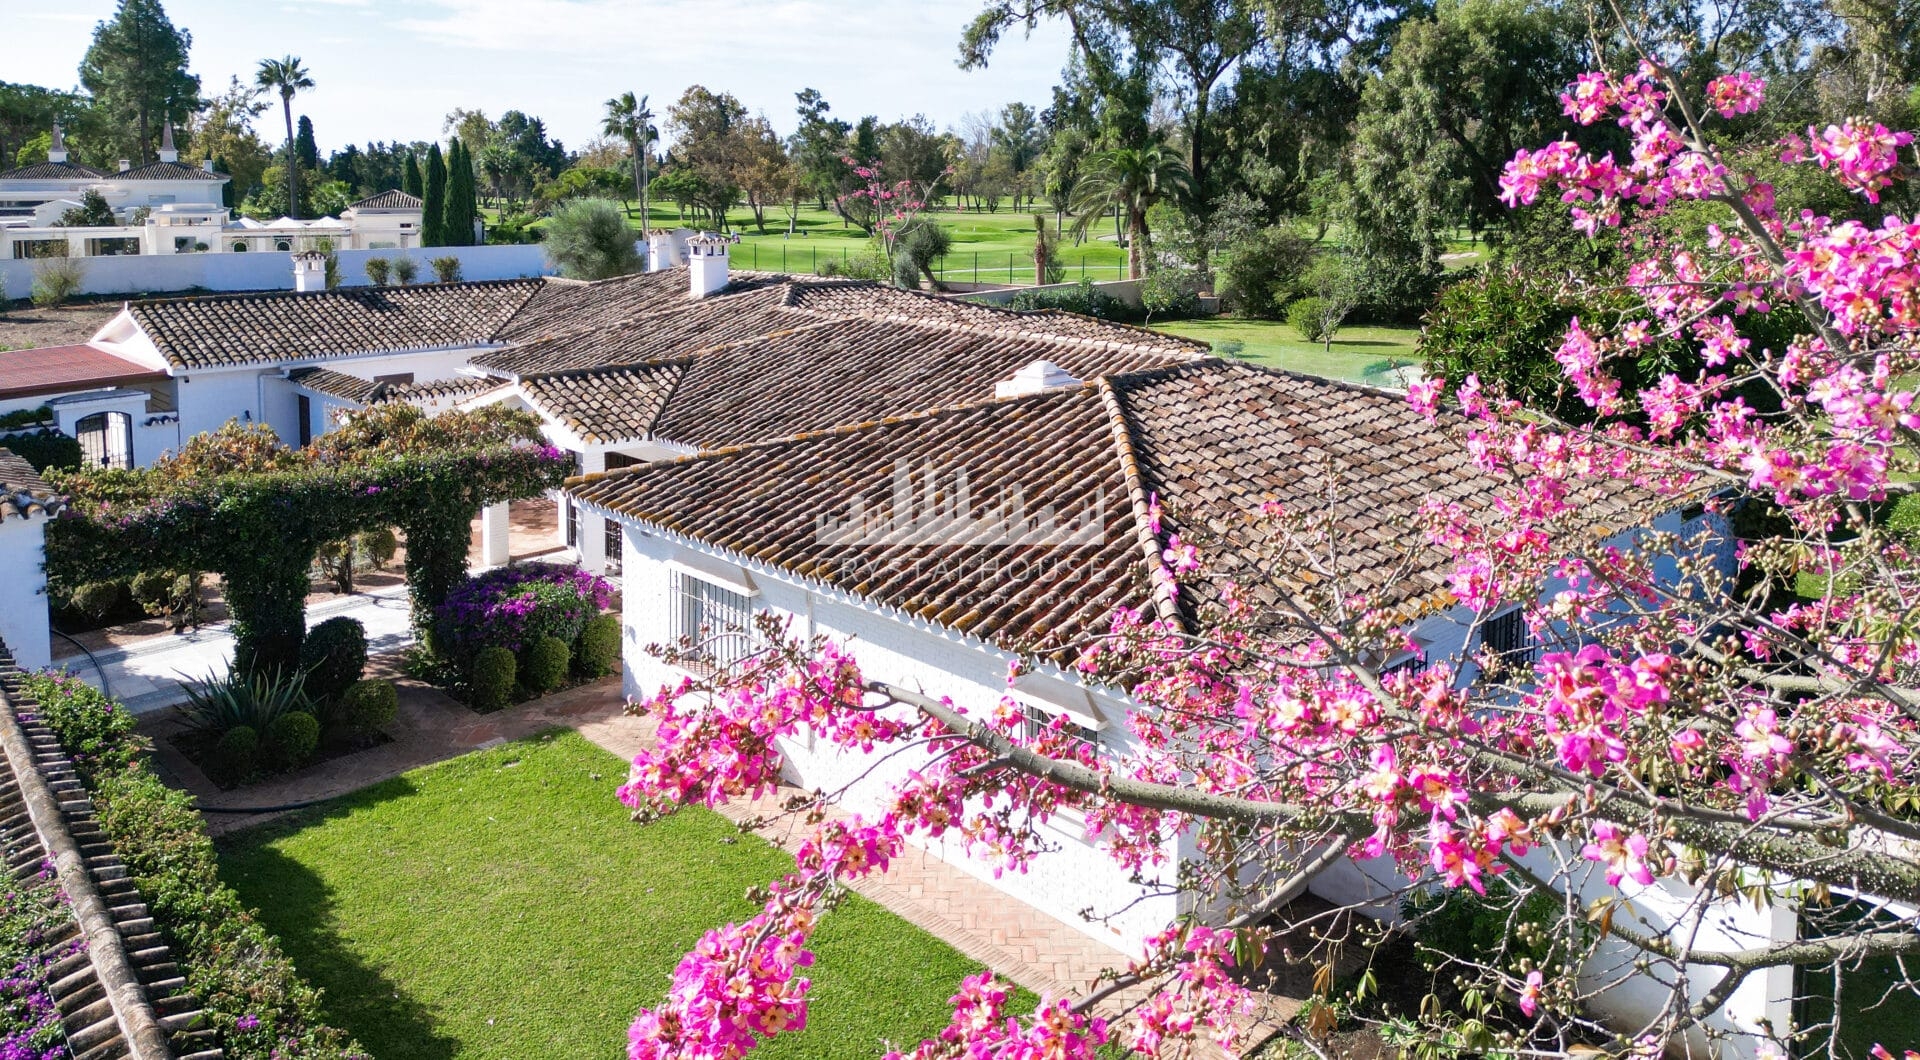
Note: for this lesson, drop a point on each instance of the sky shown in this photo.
(386, 70)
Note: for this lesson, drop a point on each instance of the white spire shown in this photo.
(167, 153)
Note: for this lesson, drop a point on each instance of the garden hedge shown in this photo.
(255, 1001)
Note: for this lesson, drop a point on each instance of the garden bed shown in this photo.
(503, 905)
(199, 748)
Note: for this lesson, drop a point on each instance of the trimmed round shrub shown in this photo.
(371, 705)
(1308, 317)
(153, 589)
(511, 607)
(294, 737)
(545, 666)
(333, 655)
(98, 600)
(598, 652)
(494, 671)
(237, 755)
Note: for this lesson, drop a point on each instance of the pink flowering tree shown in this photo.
(885, 208)
(1681, 744)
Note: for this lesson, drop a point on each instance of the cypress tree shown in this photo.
(457, 227)
(410, 178)
(305, 146)
(433, 222)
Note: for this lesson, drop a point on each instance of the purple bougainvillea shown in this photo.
(510, 607)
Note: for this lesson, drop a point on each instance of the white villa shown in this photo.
(171, 208)
(937, 483)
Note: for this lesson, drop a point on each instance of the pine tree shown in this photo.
(410, 178)
(136, 71)
(433, 227)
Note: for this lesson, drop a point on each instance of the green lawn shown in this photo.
(991, 246)
(503, 905)
(1359, 354)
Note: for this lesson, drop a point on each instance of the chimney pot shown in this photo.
(1034, 378)
(57, 151)
(309, 271)
(167, 152)
(706, 264)
(207, 164)
(125, 165)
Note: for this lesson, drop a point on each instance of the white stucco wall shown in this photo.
(23, 591)
(267, 270)
(1062, 883)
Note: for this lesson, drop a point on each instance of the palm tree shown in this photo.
(629, 119)
(286, 76)
(1129, 181)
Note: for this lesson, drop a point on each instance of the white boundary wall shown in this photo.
(268, 270)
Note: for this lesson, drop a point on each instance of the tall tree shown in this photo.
(305, 146)
(433, 222)
(1130, 181)
(224, 132)
(136, 70)
(286, 76)
(410, 180)
(628, 118)
(456, 229)
(819, 146)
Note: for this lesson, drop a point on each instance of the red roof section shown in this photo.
(58, 369)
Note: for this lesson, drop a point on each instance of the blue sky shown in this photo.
(387, 70)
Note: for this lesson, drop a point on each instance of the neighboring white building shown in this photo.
(171, 208)
(26, 503)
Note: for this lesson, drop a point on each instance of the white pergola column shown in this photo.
(591, 536)
(493, 535)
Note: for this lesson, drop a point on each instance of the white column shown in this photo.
(593, 543)
(493, 535)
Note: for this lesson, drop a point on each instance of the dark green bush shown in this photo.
(19, 419)
(598, 652)
(45, 450)
(152, 589)
(1308, 317)
(491, 685)
(234, 969)
(1169, 293)
(333, 656)
(1264, 272)
(100, 600)
(545, 666)
(1082, 298)
(237, 755)
(98, 736)
(371, 705)
(293, 738)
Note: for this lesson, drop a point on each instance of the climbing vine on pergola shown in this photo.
(239, 503)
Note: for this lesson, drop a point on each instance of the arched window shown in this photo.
(283, 244)
(106, 439)
(239, 246)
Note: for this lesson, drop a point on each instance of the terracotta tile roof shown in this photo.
(120, 996)
(22, 491)
(817, 506)
(605, 404)
(52, 171)
(63, 369)
(337, 384)
(392, 199)
(367, 392)
(1212, 440)
(282, 326)
(569, 306)
(666, 334)
(168, 171)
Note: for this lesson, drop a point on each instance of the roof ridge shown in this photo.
(282, 292)
(838, 430)
(1160, 584)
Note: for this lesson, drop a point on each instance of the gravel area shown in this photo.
(24, 325)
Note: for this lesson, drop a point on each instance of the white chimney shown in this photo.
(666, 250)
(125, 165)
(309, 271)
(1034, 378)
(58, 151)
(707, 264)
(167, 153)
(207, 164)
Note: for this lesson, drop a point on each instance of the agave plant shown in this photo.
(255, 700)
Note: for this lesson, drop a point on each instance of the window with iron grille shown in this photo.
(1412, 665)
(717, 621)
(1506, 636)
(615, 546)
(1038, 722)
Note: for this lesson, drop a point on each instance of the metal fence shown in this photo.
(967, 266)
